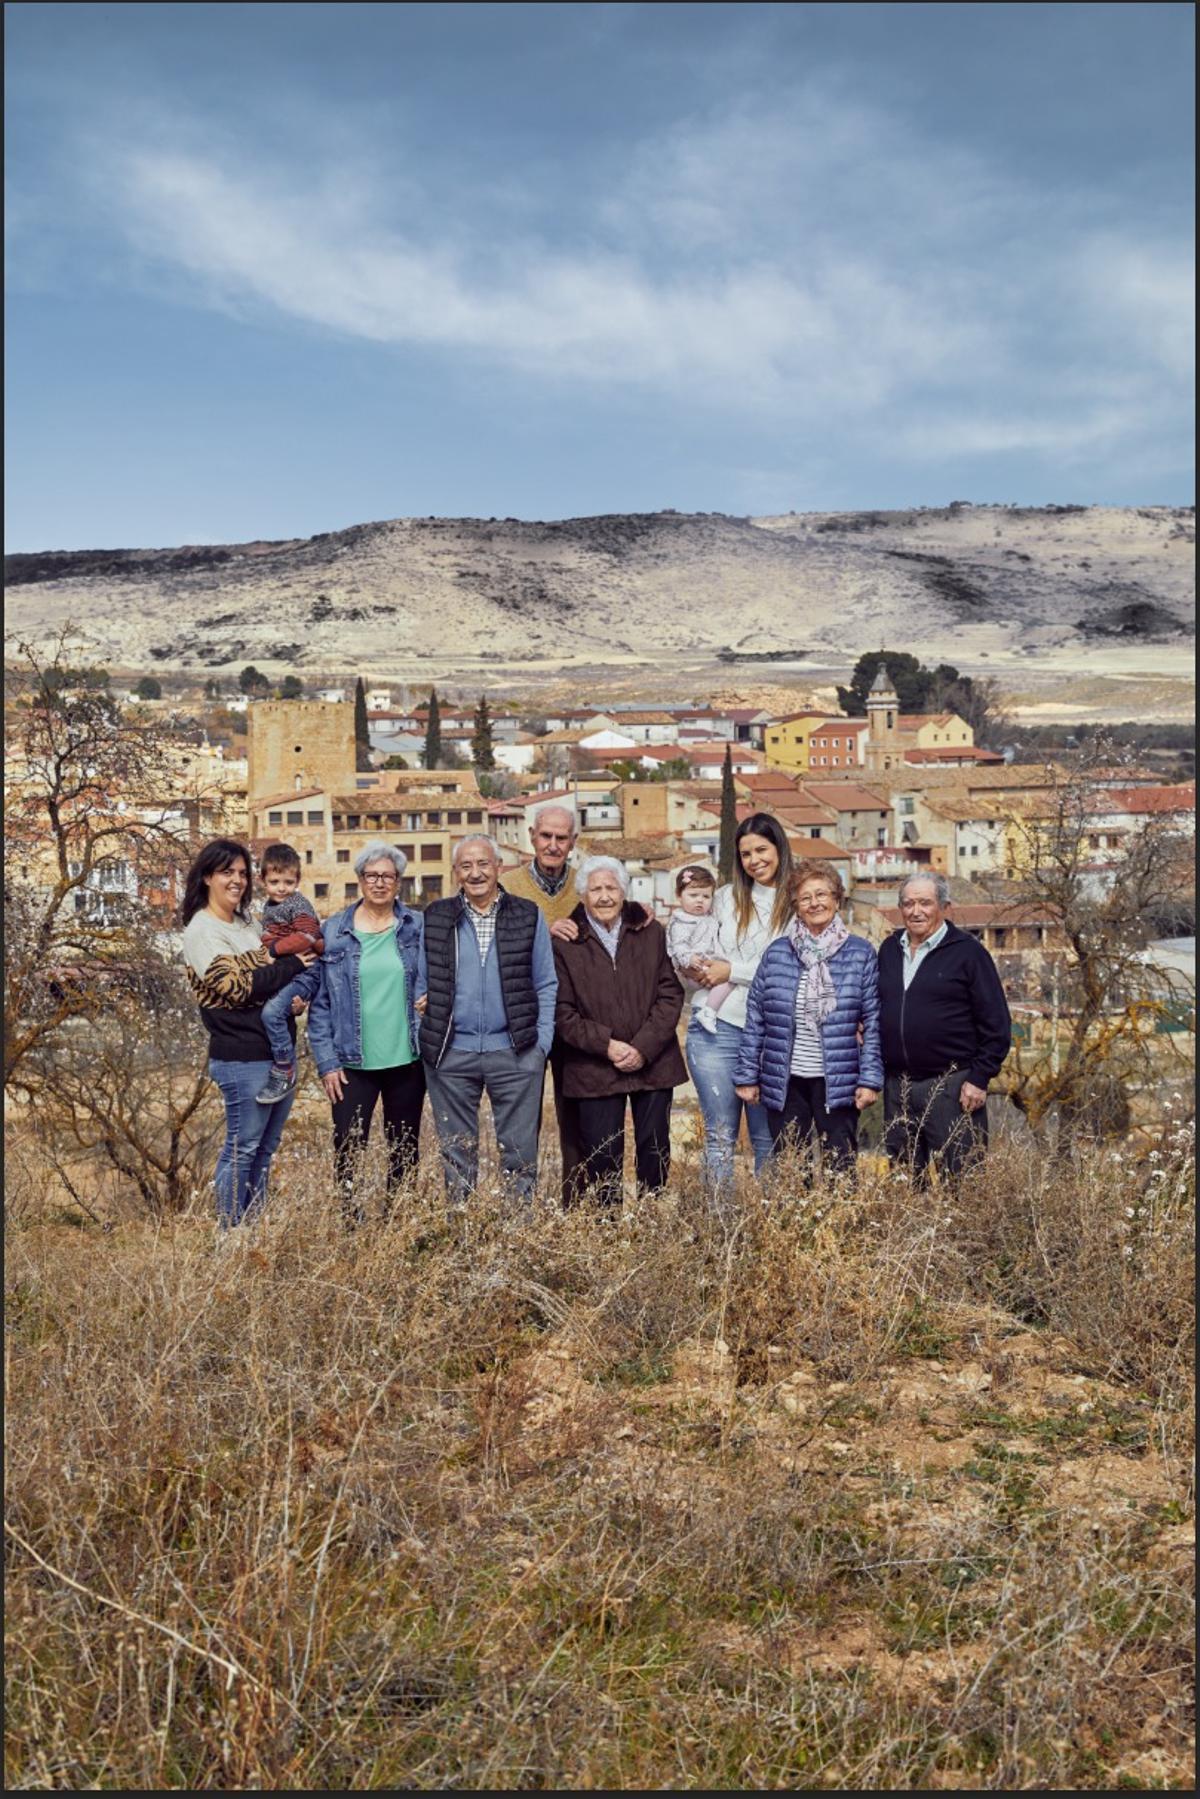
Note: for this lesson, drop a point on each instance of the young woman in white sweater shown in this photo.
(751, 912)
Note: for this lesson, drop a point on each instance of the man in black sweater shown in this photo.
(946, 1030)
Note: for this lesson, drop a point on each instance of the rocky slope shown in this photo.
(975, 581)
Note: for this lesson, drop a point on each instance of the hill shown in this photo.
(981, 583)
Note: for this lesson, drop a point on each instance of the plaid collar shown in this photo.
(484, 923)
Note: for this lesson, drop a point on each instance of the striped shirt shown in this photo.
(808, 1052)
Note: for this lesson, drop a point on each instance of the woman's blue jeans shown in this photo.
(711, 1058)
(252, 1134)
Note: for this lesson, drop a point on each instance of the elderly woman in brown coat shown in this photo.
(619, 1001)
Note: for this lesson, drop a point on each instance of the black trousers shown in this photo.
(602, 1139)
(805, 1116)
(924, 1123)
(566, 1116)
(402, 1091)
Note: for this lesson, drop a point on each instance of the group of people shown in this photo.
(796, 1023)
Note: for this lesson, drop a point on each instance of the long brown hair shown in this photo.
(762, 824)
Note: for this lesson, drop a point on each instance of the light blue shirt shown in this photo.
(913, 958)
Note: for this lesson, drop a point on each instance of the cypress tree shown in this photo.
(362, 731)
(433, 732)
(728, 820)
(482, 754)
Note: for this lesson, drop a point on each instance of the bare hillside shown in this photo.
(1058, 582)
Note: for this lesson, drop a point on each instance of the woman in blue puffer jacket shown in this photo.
(810, 1052)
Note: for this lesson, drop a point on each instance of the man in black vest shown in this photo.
(946, 1030)
(489, 1019)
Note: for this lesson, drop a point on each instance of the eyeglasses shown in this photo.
(384, 880)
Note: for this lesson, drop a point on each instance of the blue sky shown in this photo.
(278, 269)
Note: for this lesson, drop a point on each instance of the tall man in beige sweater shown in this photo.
(547, 882)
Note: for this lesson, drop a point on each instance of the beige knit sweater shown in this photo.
(520, 882)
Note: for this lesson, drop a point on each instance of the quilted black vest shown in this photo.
(516, 922)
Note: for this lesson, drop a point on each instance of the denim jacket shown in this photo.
(335, 1018)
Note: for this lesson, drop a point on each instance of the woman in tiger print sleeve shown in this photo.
(231, 975)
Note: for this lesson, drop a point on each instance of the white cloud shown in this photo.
(822, 264)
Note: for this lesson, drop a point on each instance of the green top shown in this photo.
(383, 1003)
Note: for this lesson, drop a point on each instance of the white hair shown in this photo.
(939, 883)
(476, 837)
(381, 852)
(592, 865)
(554, 806)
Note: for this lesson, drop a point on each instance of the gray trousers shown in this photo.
(924, 1122)
(514, 1085)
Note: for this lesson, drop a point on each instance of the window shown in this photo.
(433, 820)
(395, 820)
(431, 852)
(1000, 936)
(295, 818)
(321, 890)
(343, 855)
(407, 886)
(454, 818)
(906, 807)
(406, 849)
(316, 818)
(308, 858)
(974, 849)
(474, 818)
(274, 818)
(352, 819)
(351, 890)
(431, 887)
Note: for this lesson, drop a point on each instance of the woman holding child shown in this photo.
(749, 913)
(232, 974)
(363, 1024)
(810, 1050)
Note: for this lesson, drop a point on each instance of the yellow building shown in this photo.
(786, 740)
(890, 732)
(328, 830)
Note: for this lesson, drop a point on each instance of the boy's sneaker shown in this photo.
(280, 1082)
(707, 1019)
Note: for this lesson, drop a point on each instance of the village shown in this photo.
(877, 797)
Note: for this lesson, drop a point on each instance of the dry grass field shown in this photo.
(852, 1488)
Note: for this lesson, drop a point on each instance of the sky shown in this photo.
(280, 269)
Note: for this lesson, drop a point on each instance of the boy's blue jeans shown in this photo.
(711, 1060)
(252, 1134)
(275, 1014)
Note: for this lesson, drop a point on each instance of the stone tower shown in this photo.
(883, 720)
(295, 744)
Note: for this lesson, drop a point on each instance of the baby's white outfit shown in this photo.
(691, 937)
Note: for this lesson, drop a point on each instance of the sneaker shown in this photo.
(279, 1084)
(707, 1019)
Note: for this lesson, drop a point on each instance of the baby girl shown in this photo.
(692, 936)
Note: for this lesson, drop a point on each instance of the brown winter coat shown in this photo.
(637, 1000)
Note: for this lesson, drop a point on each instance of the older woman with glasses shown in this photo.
(810, 1050)
(363, 1023)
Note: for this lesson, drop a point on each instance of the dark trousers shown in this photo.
(402, 1091)
(924, 1123)
(602, 1137)
(805, 1117)
(566, 1116)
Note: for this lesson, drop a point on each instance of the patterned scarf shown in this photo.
(551, 885)
(820, 996)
